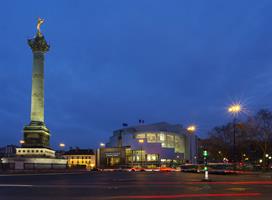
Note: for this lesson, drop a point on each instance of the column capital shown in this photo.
(38, 43)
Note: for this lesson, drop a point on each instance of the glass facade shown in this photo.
(152, 157)
(151, 137)
(167, 140)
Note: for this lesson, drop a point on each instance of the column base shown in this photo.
(36, 135)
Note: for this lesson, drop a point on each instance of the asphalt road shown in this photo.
(134, 185)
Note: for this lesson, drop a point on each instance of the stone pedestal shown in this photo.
(34, 163)
(36, 135)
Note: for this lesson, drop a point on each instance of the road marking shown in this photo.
(14, 185)
(42, 174)
(204, 183)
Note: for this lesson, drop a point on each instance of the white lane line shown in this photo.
(42, 174)
(14, 185)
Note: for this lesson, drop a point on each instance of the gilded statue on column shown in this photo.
(39, 23)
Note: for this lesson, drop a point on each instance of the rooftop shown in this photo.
(79, 152)
(156, 127)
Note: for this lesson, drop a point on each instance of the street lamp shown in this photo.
(141, 141)
(61, 145)
(191, 128)
(234, 110)
(22, 142)
(102, 144)
(62, 150)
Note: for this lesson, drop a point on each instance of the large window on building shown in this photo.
(152, 157)
(151, 137)
(161, 137)
(140, 136)
(170, 141)
(179, 144)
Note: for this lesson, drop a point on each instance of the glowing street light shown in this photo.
(235, 109)
(191, 128)
(62, 145)
(141, 141)
(22, 141)
(266, 155)
(102, 144)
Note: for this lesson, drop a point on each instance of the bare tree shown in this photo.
(260, 128)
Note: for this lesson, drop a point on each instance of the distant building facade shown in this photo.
(80, 158)
(114, 157)
(151, 145)
(8, 151)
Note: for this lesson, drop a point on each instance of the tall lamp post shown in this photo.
(191, 129)
(62, 149)
(141, 141)
(234, 110)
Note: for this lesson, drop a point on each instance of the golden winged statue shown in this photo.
(39, 23)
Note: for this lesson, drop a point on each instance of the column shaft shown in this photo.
(37, 96)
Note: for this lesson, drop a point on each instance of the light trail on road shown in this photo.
(188, 196)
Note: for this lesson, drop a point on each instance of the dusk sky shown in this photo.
(114, 62)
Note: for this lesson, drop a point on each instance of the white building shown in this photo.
(161, 142)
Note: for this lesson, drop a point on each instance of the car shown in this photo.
(167, 169)
(193, 168)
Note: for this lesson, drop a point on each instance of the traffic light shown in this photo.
(205, 158)
(205, 153)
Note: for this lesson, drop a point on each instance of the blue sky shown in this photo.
(119, 61)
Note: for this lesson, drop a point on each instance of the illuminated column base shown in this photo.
(35, 152)
(36, 135)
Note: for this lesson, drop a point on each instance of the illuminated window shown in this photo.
(179, 145)
(140, 136)
(170, 141)
(162, 137)
(151, 137)
(152, 157)
(137, 158)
